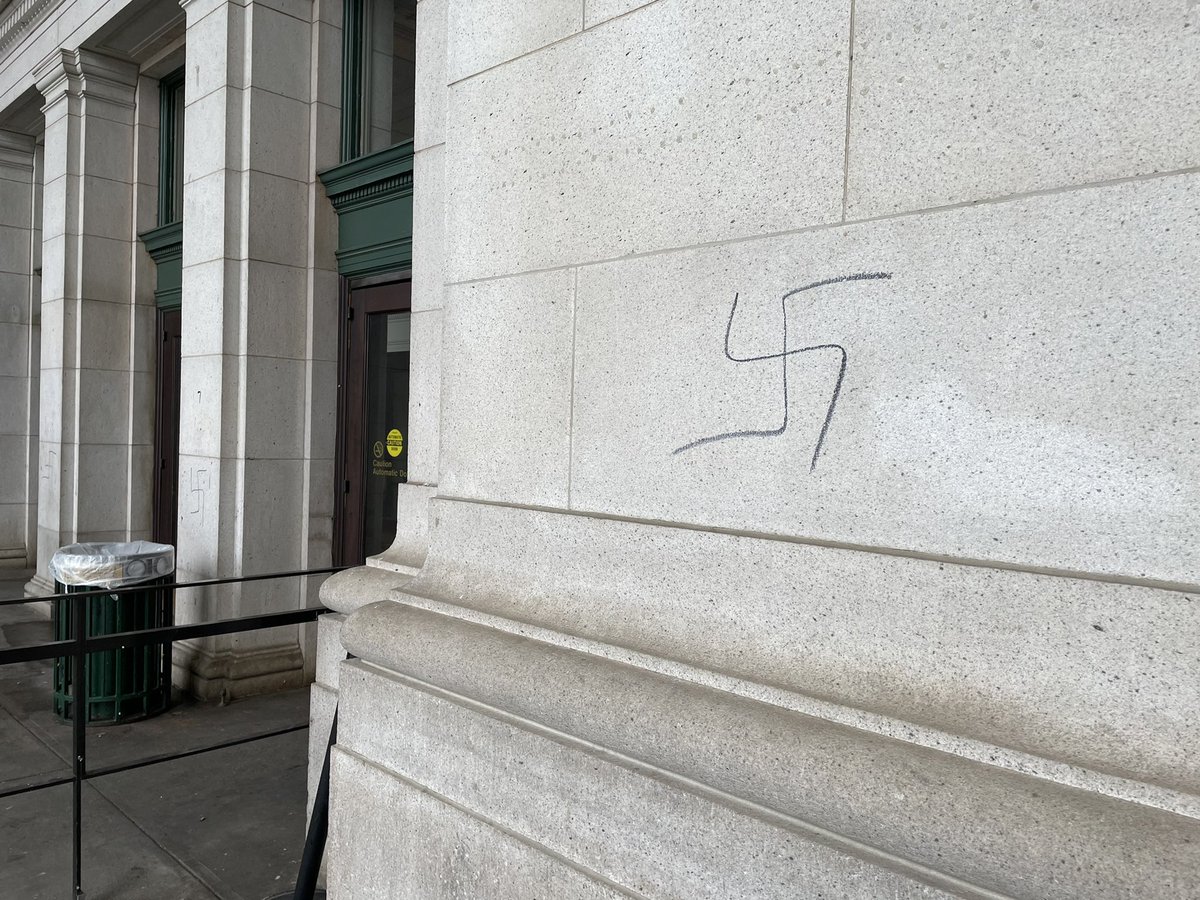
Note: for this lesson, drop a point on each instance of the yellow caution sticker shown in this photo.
(395, 442)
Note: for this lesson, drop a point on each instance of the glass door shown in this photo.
(374, 419)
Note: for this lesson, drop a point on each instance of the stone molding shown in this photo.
(86, 74)
(959, 824)
(16, 149)
(22, 17)
(768, 619)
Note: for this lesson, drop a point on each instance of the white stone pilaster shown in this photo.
(87, 393)
(19, 303)
(248, 369)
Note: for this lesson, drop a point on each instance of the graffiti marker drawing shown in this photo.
(783, 357)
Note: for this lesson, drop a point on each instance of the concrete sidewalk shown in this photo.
(225, 824)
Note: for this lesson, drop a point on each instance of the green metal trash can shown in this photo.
(125, 684)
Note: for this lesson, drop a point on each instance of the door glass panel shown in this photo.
(385, 465)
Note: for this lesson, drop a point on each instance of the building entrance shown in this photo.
(373, 428)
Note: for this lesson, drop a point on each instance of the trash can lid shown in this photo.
(111, 565)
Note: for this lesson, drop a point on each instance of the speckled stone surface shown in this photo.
(1093, 674)
(990, 828)
(424, 398)
(485, 33)
(430, 99)
(1021, 388)
(347, 591)
(597, 11)
(660, 129)
(963, 101)
(390, 840)
(506, 389)
(635, 827)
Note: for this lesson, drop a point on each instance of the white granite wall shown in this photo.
(20, 301)
(816, 437)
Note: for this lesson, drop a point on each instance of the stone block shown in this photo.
(13, 473)
(326, 314)
(103, 414)
(15, 291)
(429, 228)
(15, 202)
(663, 129)
(217, 115)
(107, 150)
(107, 207)
(327, 38)
(105, 268)
(14, 351)
(212, 227)
(425, 397)
(280, 51)
(104, 336)
(216, 49)
(389, 839)
(430, 111)
(14, 406)
(321, 704)
(14, 249)
(276, 216)
(102, 492)
(597, 11)
(275, 408)
(274, 296)
(322, 432)
(12, 526)
(54, 251)
(959, 103)
(1025, 400)
(273, 517)
(613, 760)
(506, 389)
(50, 405)
(201, 406)
(144, 339)
(484, 33)
(278, 140)
(330, 653)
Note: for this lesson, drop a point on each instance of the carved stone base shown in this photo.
(232, 674)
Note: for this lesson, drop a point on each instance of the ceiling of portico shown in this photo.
(141, 32)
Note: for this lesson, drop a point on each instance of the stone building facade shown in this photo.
(817, 482)
(797, 482)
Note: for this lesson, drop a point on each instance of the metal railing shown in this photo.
(81, 644)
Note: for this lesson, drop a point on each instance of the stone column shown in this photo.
(87, 393)
(247, 368)
(19, 301)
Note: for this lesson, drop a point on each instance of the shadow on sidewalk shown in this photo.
(228, 824)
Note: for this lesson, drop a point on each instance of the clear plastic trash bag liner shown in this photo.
(112, 565)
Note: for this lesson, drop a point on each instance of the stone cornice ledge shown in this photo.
(354, 588)
(974, 829)
(21, 17)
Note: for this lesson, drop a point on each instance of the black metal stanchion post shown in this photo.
(78, 740)
(318, 827)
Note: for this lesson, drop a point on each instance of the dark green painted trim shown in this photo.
(170, 142)
(353, 19)
(165, 246)
(373, 198)
(163, 240)
(387, 171)
(376, 259)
